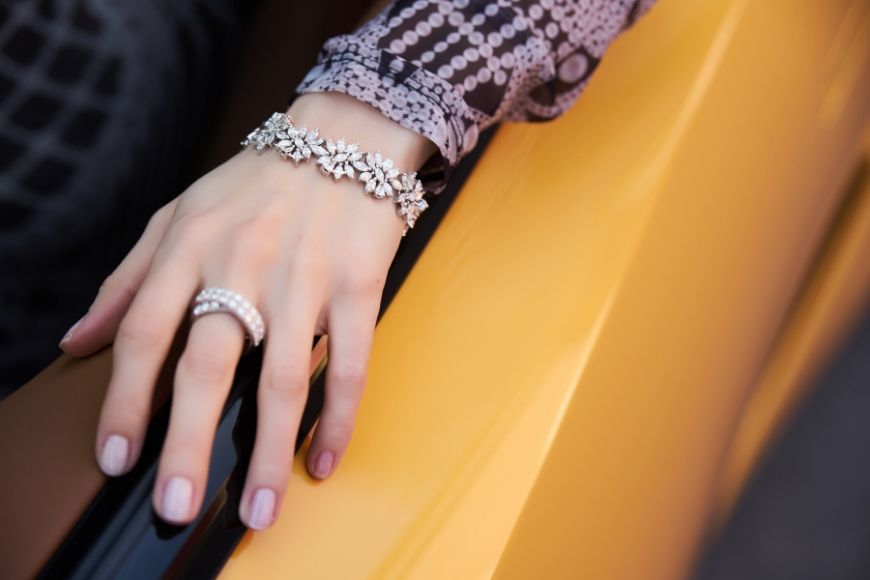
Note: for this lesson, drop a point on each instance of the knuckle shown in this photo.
(358, 255)
(191, 447)
(310, 264)
(189, 230)
(287, 381)
(124, 411)
(116, 284)
(339, 431)
(205, 366)
(349, 378)
(362, 285)
(191, 220)
(109, 283)
(161, 217)
(254, 243)
(140, 332)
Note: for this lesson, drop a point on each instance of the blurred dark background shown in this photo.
(805, 513)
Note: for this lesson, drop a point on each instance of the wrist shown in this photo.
(336, 115)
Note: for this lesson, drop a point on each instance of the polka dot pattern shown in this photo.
(448, 69)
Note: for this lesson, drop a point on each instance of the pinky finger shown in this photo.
(98, 326)
(351, 326)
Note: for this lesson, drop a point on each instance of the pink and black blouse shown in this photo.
(447, 69)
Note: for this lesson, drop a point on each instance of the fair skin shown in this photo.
(312, 255)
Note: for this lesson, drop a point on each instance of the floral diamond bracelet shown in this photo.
(340, 159)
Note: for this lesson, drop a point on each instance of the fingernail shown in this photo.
(262, 509)
(323, 464)
(177, 496)
(113, 458)
(71, 330)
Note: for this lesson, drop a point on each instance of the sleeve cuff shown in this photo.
(413, 97)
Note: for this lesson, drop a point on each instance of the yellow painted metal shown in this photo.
(554, 388)
(834, 300)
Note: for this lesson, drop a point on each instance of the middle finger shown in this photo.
(202, 381)
(281, 398)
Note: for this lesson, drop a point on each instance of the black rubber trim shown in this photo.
(119, 536)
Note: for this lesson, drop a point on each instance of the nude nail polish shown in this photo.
(113, 458)
(262, 509)
(323, 464)
(177, 497)
(71, 331)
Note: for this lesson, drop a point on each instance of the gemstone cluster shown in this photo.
(341, 159)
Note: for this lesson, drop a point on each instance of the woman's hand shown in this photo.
(310, 253)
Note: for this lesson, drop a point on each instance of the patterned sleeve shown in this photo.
(447, 69)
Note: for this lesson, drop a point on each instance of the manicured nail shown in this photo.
(262, 509)
(71, 330)
(177, 496)
(323, 464)
(113, 458)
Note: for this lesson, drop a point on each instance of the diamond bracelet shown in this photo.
(340, 159)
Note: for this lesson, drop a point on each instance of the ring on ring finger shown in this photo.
(216, 299)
